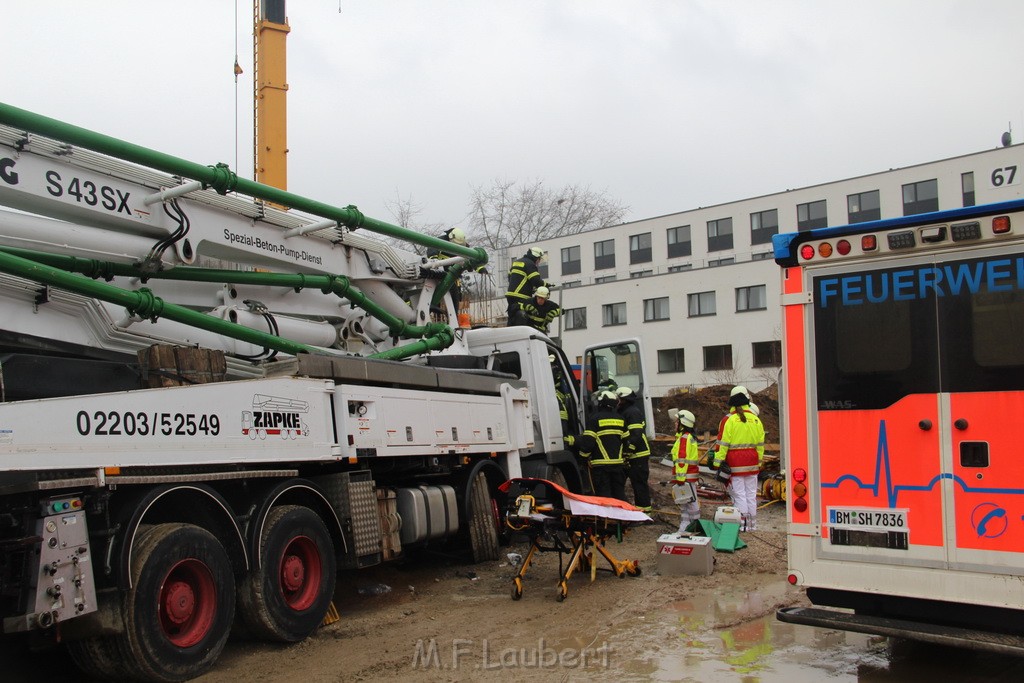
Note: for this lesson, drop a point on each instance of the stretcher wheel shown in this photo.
(563, 591)
(633, 569)
(517, 589)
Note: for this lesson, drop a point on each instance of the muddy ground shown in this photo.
(443, 620)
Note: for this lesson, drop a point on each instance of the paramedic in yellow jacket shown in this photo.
(601, 445)
(742, 447)
(686, 465)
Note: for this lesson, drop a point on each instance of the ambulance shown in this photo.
(903, 429)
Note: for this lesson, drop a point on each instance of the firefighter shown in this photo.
(454, 236)
(637, 448)
(685, 465)
(601, 446)
(741, 446)
(562, 396)
(523, 280)
(540, 311)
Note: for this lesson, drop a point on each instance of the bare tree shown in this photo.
(510, 213)
(404, 212)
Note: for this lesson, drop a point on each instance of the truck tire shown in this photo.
(178, 613)
(483, 529)
(286, 599)
(99, 658)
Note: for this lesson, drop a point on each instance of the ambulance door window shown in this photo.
(873, 343)
(982, 323)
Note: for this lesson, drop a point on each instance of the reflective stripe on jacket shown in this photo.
(637, 444)
(523, 279)
(742, 444)
(602, 441)
(686, 468)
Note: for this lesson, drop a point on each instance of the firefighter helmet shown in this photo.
(457, 236)
(542, 292)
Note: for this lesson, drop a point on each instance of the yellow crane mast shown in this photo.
(270, 129)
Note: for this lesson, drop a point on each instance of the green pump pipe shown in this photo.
(222, 179)
(335, 284)
(144, 303)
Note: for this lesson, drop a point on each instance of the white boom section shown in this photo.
(92, 206)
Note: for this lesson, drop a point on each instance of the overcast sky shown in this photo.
(664, 106)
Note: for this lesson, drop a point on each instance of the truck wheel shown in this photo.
(178, 613)
(483, 524)
(99, 658)
(287, 598)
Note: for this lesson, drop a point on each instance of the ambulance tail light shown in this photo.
(825, 249)
(1000, 225)
(800, 489)
(843, 247)
(807, 252)
(868, 243)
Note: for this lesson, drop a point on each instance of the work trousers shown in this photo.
(639, 473)
(609, 481)
(744, 497)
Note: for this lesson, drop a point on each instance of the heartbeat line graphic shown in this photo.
(892, 491)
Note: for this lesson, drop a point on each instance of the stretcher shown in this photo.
(574, 526)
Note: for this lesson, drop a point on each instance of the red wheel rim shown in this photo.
(188, 602)
(300, 574)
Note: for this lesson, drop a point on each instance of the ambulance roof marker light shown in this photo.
(1000, 225)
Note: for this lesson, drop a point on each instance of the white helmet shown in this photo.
(625, 393)
(739, 389)
(686, 418)
(607, 398)
(754, 409)
(457, 236)
(542, 292)
(536, 252)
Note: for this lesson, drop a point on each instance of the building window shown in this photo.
(640, 248)
(720, 261)
(751, 299)
(702, 303)
(967, 186)
(863, 207)
(762, 256)
(570, 260)
(920, 197)
(613, 314)
(569, 284)
(543, 270)
(763, 225)
(604, 254)
(641, 273)
(575, 318)
(680, 268)
(656, 309)
(718, 357)
(671, 360)
(811, 215)
(605, 278)
(679, 241)
(767, 354)
(720, 234)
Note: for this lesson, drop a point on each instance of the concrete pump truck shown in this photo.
(210, 406)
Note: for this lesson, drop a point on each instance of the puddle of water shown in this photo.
(734, 636)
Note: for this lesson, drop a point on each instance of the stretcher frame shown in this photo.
(551, 528)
